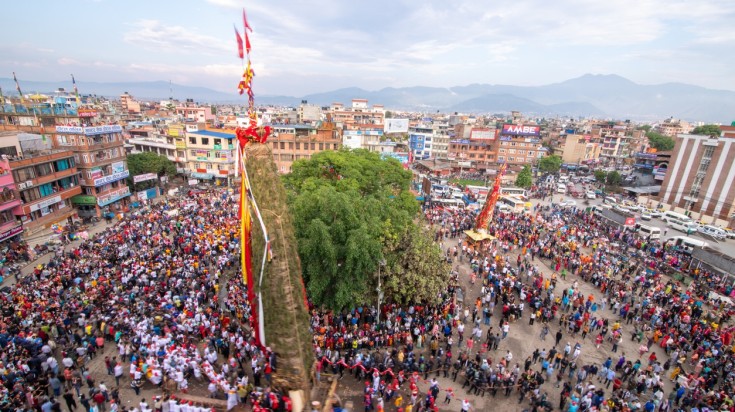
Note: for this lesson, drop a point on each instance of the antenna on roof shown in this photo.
(170, 90)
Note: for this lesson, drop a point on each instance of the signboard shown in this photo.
(118, 167)
(482, 134)
(111, 178)
(193, 182)
(113, 196)
(464, 164)
(11, 232)
(70, 129)
(395, 126)
(114, 128)
(520, 130)
(630, 221)
(203, 176)
(95, 173)
(86, 113)
(144, 177)
(147, 194)
(401, 157)
(84, 200)
(45, 203)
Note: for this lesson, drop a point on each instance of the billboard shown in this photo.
(482, 134)
(144, 177)
(395, 126)
(520, 130)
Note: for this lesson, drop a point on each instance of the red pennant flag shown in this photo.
(240, 51)
(245, 21)
(247, 42)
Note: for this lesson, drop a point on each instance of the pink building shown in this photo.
(10, 226)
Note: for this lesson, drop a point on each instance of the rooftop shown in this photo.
(213, 134)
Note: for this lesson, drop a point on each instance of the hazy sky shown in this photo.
(302, 47)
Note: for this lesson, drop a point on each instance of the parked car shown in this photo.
(653, 213)
(713, 231)
(730, 233)
(590, 195)
(568, 203)
(645, 215)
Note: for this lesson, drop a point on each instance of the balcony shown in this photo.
(51, 177)
(51, 199)
(10, 204)
(101, 162)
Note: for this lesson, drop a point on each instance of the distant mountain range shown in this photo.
(589, 95)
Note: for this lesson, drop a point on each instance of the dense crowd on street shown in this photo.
(459, 338)
(150, 300)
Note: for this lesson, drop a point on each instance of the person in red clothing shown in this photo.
(99, 399)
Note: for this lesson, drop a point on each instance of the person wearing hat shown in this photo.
(466, 406)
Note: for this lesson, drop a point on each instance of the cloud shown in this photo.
(67, 61)
(153, 35)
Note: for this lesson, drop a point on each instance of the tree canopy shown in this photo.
(352, 210)
(550, 164)
(707, 129)
(524, 178)
(614, 178)
(600, 176)
(149, 162)
(660, 142)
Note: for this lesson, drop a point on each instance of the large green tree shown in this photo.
(149, 162)
(524, 178)
(600, 176)
(660, 142)
(614, 178)
(707, 129)
(550, 164)
(352, 210)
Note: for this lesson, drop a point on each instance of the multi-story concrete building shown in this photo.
(129, 105)
(308, 113)
(10, 224)
(580, 149)
(167, 142)
(673, 127)
(359, 113)
(617, 141)
(654, 163)
(701, 180)
(211, 155)
(100, 157)
(45, 180)
(479, 150)
(294, 142)
(421, 141)
(441, 139)
(520, 145)
(191, 111)
(363, 137)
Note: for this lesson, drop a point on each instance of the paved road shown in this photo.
(726, 246)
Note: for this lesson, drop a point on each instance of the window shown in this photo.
(192, 140)
(44, 169)
(511, 159)
(313, 146)
(511, 151)
(9, 151)
(321, 146)
(26, 173)
(205, 141)
(193, 153)
(85, 158)
(218, 142)
(46, 189)
(283, 145)
(298, 145)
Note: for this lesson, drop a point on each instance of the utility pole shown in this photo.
(381, 263)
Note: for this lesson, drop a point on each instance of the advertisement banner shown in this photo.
(482, 134)
(11, 232)
(113, 196)
(70, 129)
(520, 130)
(86, 113)
(144, 177)
(45, 203)
(118, 167)
(111, 178)
(395, 126)
(193, 182)
(114, 128)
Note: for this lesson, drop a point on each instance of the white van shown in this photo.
(561, 188)
(563, 179)
(648, 231)
(673, 215)
(687, 244)
(683, 226)
(610, 200)
(713, 231)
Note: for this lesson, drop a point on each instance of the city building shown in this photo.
(211, 155)
(294, 142)
(10, 224)
(358, 113)
(520, 145)
(168, 142)
(420, 141)
(619, 141)
(366, 137)
(129, 105)
(45, 180)
(479, 150)
(308, 113)
(579, 149)
(701, 180)
(673, 127)
(100, 158)
(441, 139)
(654, 163)
(191, 111)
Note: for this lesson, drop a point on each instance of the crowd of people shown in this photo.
(532, 270)
(154, 298)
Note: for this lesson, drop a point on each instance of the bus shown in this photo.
(516, 204)
(513, 191)
(450, 203)
(673, 215)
